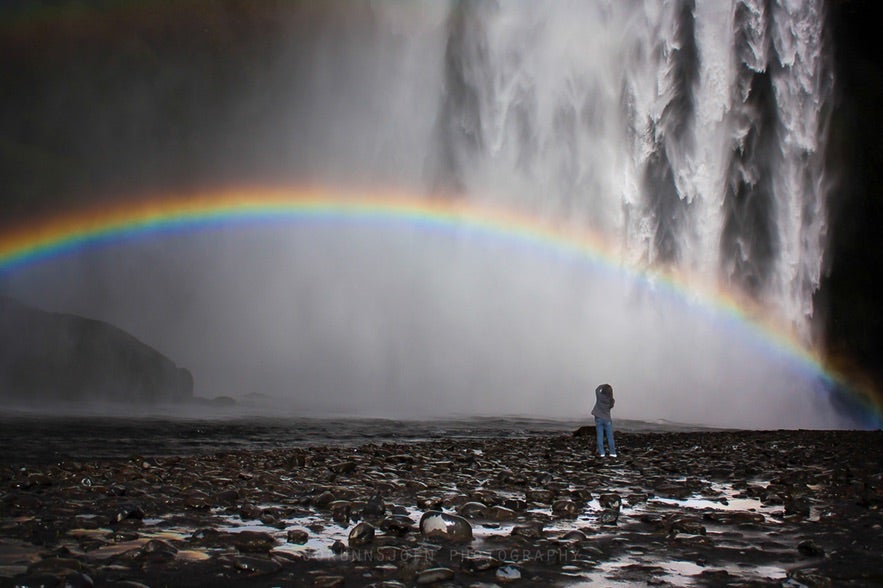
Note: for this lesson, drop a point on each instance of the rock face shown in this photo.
(50, 357)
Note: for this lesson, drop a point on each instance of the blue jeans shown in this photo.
(605, 427)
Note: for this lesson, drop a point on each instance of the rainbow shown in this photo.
(50, 238)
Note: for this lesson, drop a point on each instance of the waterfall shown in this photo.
(689, 135)
(691, 132)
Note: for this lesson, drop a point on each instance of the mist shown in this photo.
(638, 121)
(401, 322)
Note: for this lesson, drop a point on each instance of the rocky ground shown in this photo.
(778, 508)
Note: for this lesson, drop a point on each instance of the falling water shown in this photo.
(692, 132)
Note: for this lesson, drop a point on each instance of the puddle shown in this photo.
(677, 572)
(719, 498)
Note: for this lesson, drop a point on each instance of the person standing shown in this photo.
(603, 421)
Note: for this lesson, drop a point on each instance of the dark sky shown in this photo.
(110, 100)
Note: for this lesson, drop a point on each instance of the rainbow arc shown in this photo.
(50, 238)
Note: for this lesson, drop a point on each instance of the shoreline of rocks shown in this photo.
(734, 508)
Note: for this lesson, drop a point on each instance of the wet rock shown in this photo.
(472, 510)
(500, 513)
(540, 496)
(738, 518)
(716, 578)
(198, 500)
(608, 517)
(399, 525)
(117, 490)
(475, 564)
(636, 498)
(297, 536)
(329, 581)
(532, 531)
(159, 546)
(435, 524)
(128, 511)
(271, 519)
(610, 500)
(810, 549)
(387, 584)
(430, 503)
(508, 574)
(226, 498)
(374, 507)
(583, 495)
(545, 550)
(639, 574)
(389, 553)
(338, 547)
(434, 575)
(575, 535)
(516, 504)
(323, 499)
(243, 541)
(797, 506)
(688, 526)
(340, 510)
(810, 578)
(250, 512)
(361, 535)
(345, 467)
(121, 536)
(253, 566)
(565, 508)
(253, 541)
(675, 490)
(397, 509)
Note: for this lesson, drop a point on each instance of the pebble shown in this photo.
(445, 526)
(128, 511)
(610, 500)
(435, 575)
(399, 525)
(501, 513)
(241, 514)
(362, 534)
(472, 510)
(508, 574)
(565, 508)
(297, 536)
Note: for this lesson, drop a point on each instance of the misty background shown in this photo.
(619, 117)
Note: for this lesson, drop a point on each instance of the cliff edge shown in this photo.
(53, 357)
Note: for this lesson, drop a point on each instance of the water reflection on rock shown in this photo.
(536, 510)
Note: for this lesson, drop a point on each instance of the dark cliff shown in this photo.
(849, 299)
(50, 357)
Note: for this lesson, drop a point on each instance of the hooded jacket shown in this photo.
(603, 402)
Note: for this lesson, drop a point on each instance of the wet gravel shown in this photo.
(735, 508)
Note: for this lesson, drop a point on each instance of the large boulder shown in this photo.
(46, 356)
